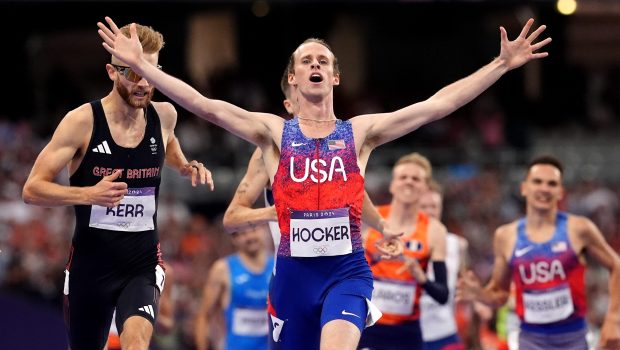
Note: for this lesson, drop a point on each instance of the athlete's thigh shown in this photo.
(88, 307)
(575, 340)
(295, 306)
(139, 297)
(347, 300)
(339, 335)
(294, 323)
(296, 333)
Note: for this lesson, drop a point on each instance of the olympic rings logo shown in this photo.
(123, 224)
(321, 250)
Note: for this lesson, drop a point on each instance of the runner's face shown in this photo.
(430, 203)
(409, 181)
(542, 187)
(314, 70)
(251, 240)
(136, 94)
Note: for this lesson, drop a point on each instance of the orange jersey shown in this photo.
(397, 294)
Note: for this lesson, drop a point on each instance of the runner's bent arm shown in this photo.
(496, 291)
(370, 214)
(211, 302)
(437, 288)
(194, 170)
(175, 159)
(240, 214)
(40, 188)
(601, 251)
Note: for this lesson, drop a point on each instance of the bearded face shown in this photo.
(136, 96)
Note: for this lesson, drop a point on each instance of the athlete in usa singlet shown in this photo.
(246, 314)
(115, 259)
(550, 292)
(321, 274)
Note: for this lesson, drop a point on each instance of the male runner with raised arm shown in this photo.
(316, 164)
(114, 149)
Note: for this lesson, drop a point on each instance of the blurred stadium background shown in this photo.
(392, 53)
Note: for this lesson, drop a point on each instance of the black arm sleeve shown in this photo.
(438, 289)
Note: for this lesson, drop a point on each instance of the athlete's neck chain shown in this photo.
(318, 121)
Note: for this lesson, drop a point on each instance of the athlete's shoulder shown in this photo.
(164, 108)
(288, 123)
(437, 233)
(75, 129)
(219, 275)
(167, 114)
(77, 122)
(219, 267)
(80, 115)
(581, 224)
(577, 219)
(436, 225)
(506, 230)
(504, 240)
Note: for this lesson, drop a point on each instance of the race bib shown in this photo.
(320, 233)
(134, 213)
(547, 306)
(393, 298)
(250, 322)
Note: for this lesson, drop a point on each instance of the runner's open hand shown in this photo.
(197, 172)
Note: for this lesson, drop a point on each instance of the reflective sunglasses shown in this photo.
(128, 73)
